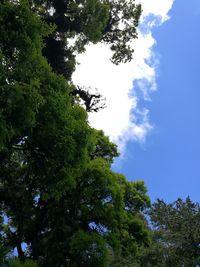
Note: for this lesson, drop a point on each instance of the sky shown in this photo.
(153, 102)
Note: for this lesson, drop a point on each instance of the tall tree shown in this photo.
(62, 204)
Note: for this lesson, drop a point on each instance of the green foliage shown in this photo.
(88, 250)
(153, 254)
(176, 234)
(103, 148)
(20, 64)
(93, 15)
(121, 28)
(57, 190)
(14, 262)
(109, 21)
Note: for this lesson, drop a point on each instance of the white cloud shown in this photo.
(122, 120)
(158, 8)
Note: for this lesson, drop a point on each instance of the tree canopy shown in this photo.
(177, 230)
(89, 21)
(174, 235)
(61, 204)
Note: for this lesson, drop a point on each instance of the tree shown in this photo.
(110, 21)
(43, 137)
(154, 254)
(176, 231)
(81, 22)
(62, 204)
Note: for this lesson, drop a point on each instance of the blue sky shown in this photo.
(169, 160)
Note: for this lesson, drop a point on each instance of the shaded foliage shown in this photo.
(15, 262)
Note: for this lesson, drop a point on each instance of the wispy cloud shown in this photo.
(122, 120)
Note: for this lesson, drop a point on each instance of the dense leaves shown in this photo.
(174, 235)
(15, 262)
(177, 229)
(61, 204)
